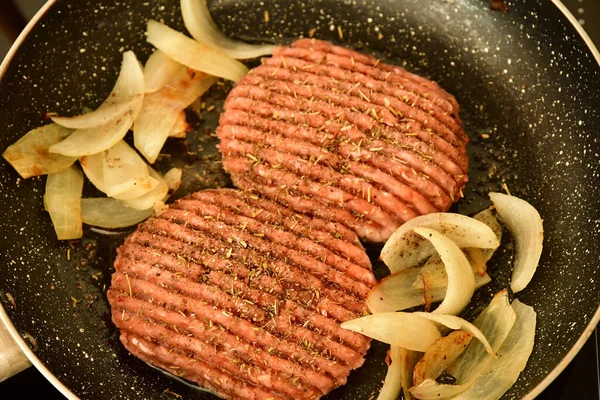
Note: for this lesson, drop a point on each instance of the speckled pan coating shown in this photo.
(529, 89)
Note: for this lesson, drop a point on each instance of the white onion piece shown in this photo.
(487, 217)
(438, 278)
(93, 168)
(173, 178)
(193, 54)
(405, 249)
(461, 283)
(99, 138)
(123, 170)
(180, 128)
(101, 116)
(398, 291)
(399, 373)
(407, 330)
(495, 322)
(62, 200)
(429, 389)
(154, 196)
(392, 385)
(201, 26)
(109, 213)
(525, 224)
(158, 71)
(502, 372)
(408, 358)
(440, 355)
(29, 155)
(162, 110)
(455, 323)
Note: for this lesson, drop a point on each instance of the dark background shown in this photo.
(580, 380)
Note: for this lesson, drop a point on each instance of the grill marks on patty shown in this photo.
(336, 134)
(242, 296)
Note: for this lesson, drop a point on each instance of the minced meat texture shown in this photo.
(336, 134)
(243, 296)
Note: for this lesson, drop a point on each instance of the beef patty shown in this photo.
(243, 296)
(336, 134)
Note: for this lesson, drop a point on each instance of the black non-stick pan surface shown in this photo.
(529, 87)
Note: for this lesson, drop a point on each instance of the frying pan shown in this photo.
(528, 81)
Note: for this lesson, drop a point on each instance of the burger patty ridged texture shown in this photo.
(336, 134)
(243, 296)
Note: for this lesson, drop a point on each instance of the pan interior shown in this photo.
(528, 87)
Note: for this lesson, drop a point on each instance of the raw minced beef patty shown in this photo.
(243, 296)
(333, 133)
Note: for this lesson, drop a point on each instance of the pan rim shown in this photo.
(37, 363)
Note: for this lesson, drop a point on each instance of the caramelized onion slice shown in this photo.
(92, 140)
(455, 323)
(29, 155)
(106, 212)
(461, 283)
(525, 224)
(407, 330)
(193, 54)
(502, 372)
(399, 292)
(495, 322)
(406, 249)
(440, 355)
(201, 26)
(62, 200)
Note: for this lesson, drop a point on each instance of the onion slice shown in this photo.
(158, 71)
(151, 198)
(406, 249)
(29, 155)
(429, 389)
(101, 116)
(487, 217)
(93, 168)
(399, 292)
(495, 322)
(109, 213)
(407, 330)
(525, 224)
(199, 23)
(62, 200)
(455, 323)
(392, 385)
(502, 372)
(162, 110)
(461, 283)
(193, 54)
(173, 178)
(399, 373)
(440, 355)
(92, 140)
(124, 170)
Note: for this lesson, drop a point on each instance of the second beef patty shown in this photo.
(336, 134)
